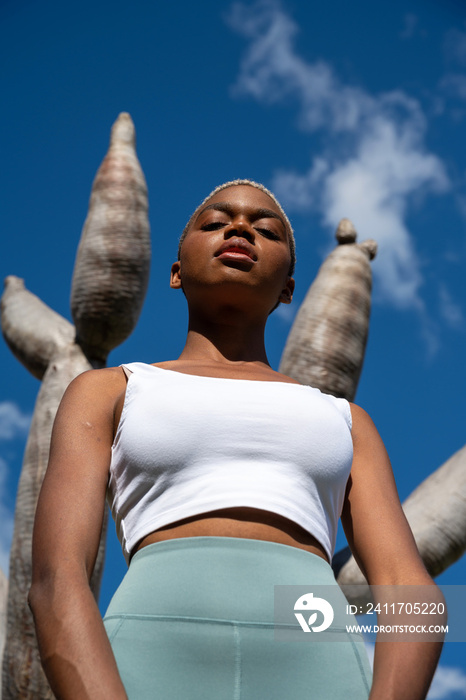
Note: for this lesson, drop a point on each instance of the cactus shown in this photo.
(325, 347)
(109, 284)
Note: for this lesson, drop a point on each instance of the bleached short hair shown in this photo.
(257, 185)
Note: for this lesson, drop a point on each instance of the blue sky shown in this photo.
(355, 110)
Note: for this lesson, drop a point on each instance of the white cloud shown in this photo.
(271, 70)
(372, 189)
(13, 422)
(377, 160)
(301, 192)
(449, 683)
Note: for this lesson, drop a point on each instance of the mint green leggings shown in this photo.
(193, 619)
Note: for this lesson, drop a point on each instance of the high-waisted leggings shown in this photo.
(193, 619)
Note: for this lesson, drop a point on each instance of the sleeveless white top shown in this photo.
(187, 445)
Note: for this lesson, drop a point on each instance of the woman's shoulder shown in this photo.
(99, 383)
(359, 414)
(363, 425)
(91, 399)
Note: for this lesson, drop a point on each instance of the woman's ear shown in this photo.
(175, 275)
(287, 292)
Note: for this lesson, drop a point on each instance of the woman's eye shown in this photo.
(213, 226)
(268, 233)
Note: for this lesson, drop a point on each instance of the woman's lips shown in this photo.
(236, 249)
(236, 253)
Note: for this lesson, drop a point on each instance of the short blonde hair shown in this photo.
(257, 185)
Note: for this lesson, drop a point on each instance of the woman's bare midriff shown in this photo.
(249, 523)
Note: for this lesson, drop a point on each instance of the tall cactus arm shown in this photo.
(325, 347)
(112, 264)
(34, 333)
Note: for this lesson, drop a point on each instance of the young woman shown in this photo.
(225, 479)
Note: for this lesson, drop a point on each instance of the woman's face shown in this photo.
(238, 242)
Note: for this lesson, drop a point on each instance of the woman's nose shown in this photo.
(240, 227)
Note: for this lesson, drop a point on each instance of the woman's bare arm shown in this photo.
(74, 648)
(384, 547)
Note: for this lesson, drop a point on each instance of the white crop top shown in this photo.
(187, 445)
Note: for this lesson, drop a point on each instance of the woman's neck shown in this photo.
(227, 344)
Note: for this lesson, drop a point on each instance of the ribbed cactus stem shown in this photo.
(325, 347)
(112, 264)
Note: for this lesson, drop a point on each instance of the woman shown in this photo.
(226, 479)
